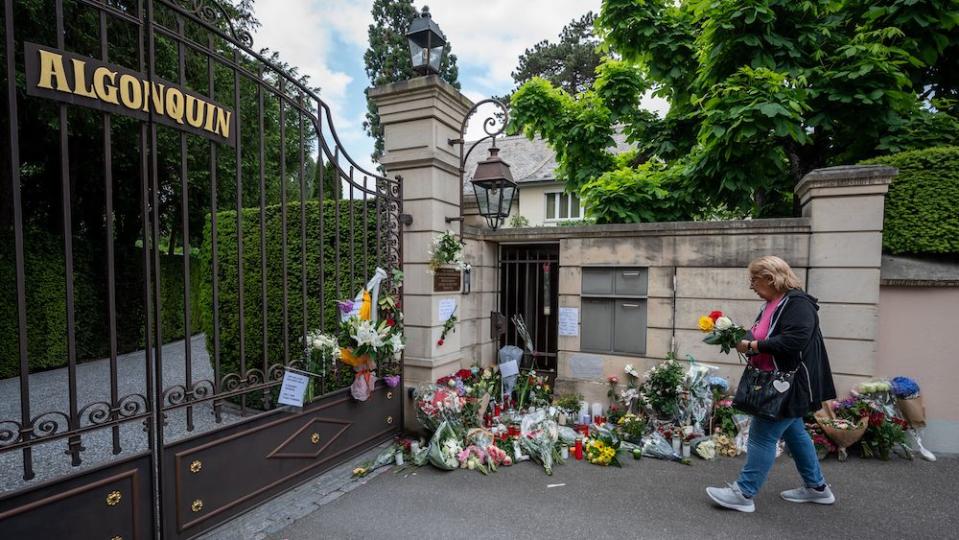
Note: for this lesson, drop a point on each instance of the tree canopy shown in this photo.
(388, 58)
(760, 93)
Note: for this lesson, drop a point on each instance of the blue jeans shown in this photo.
(761, 453)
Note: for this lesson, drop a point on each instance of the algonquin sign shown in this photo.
(81, 80)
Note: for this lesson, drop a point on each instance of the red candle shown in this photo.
(496, 410)
(578, 450)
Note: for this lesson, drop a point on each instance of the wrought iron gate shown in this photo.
(176, 216)
(529, 286)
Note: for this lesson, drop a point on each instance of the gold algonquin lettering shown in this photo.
(210, 113)
(130, 92)
(223, 123)
(105, 92)
(194, 111)
(156, 91)
(174, 104)
(51, 66)
(80, 80)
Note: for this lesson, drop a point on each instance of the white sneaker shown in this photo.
(731, 497)
(805, 494)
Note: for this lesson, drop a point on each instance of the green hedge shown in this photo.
(46, 302)
(922, 207)
(320, 249)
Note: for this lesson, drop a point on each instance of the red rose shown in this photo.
(464, 374)
(390, 322)
(443, 381)
(439, 343)
(876, 419)
(715, 315)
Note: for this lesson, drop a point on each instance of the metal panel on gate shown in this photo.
(218, 476)
(115, 501)
(630, 326)
(597, 335)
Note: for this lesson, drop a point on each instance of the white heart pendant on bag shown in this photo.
(781, 386)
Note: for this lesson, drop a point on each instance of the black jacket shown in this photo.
(795, 342)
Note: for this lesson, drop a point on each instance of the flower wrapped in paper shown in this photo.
(445, 447)
(538, 436)
(909, 401)
(843, 431)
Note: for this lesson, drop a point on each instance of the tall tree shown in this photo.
(761, 92)
(388, 58)
(569, 64)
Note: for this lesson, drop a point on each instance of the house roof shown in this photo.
(530, 161)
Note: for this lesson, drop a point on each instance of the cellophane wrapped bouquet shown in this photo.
(539, 433)
(436, 404)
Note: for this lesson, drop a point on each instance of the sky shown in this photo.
(326, 39)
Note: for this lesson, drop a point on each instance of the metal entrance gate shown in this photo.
(529, 286)
(176, 216)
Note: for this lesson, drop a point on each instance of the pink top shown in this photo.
(760, 331)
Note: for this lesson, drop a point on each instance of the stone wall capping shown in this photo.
(669, 228)
(844, 176)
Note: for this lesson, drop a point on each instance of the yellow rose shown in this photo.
(706, 324)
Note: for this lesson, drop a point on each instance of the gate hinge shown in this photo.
(406, 219)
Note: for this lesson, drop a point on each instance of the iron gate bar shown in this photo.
(214, 241)
(26, 425)
(74, 420)
(185, 224)
(302, 176)
(283, 218)
(111, 285)
(263, 276)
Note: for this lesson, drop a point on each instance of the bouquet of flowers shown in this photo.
(725, 445)
(909, 400)
(722, 419)
(473, 458)
(656, 446)
(843, 431)
(322, 352)
(704, 447)
(631, 428)
(603, 450)
(445, 447)
(722, 331)
(882, 432)
(533, 390)
(446, 250)
(437, 404)
(538, 436)
(824, 445)
(663, 388)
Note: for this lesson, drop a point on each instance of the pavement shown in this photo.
(49, 396)
(644, 499)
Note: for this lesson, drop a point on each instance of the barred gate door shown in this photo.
(177, 215)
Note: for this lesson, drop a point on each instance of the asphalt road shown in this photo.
(645, 499)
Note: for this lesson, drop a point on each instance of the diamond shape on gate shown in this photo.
(309, 434)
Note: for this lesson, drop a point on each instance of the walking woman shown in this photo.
(786, 336)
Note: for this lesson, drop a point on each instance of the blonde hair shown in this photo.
(776, 271)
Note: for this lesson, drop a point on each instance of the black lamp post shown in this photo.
(492, 182)
(426, 44)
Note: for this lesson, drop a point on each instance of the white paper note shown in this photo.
(447, 307)
(568, 321)
(293, 389)
(508, 369)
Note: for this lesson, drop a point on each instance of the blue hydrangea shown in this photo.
(718, 383)
(904, 387)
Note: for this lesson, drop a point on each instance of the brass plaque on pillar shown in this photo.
(447, 280)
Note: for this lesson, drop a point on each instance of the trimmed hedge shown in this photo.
(922, 206)
(320, 249)
(46, 302)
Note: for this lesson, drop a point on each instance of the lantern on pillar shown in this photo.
(494, 188)
(427, 44)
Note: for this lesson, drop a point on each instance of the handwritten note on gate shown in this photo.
(293, 389)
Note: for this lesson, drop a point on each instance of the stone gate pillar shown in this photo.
(419, 116)
(845, 206)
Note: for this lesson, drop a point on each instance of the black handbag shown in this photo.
(761, 393)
